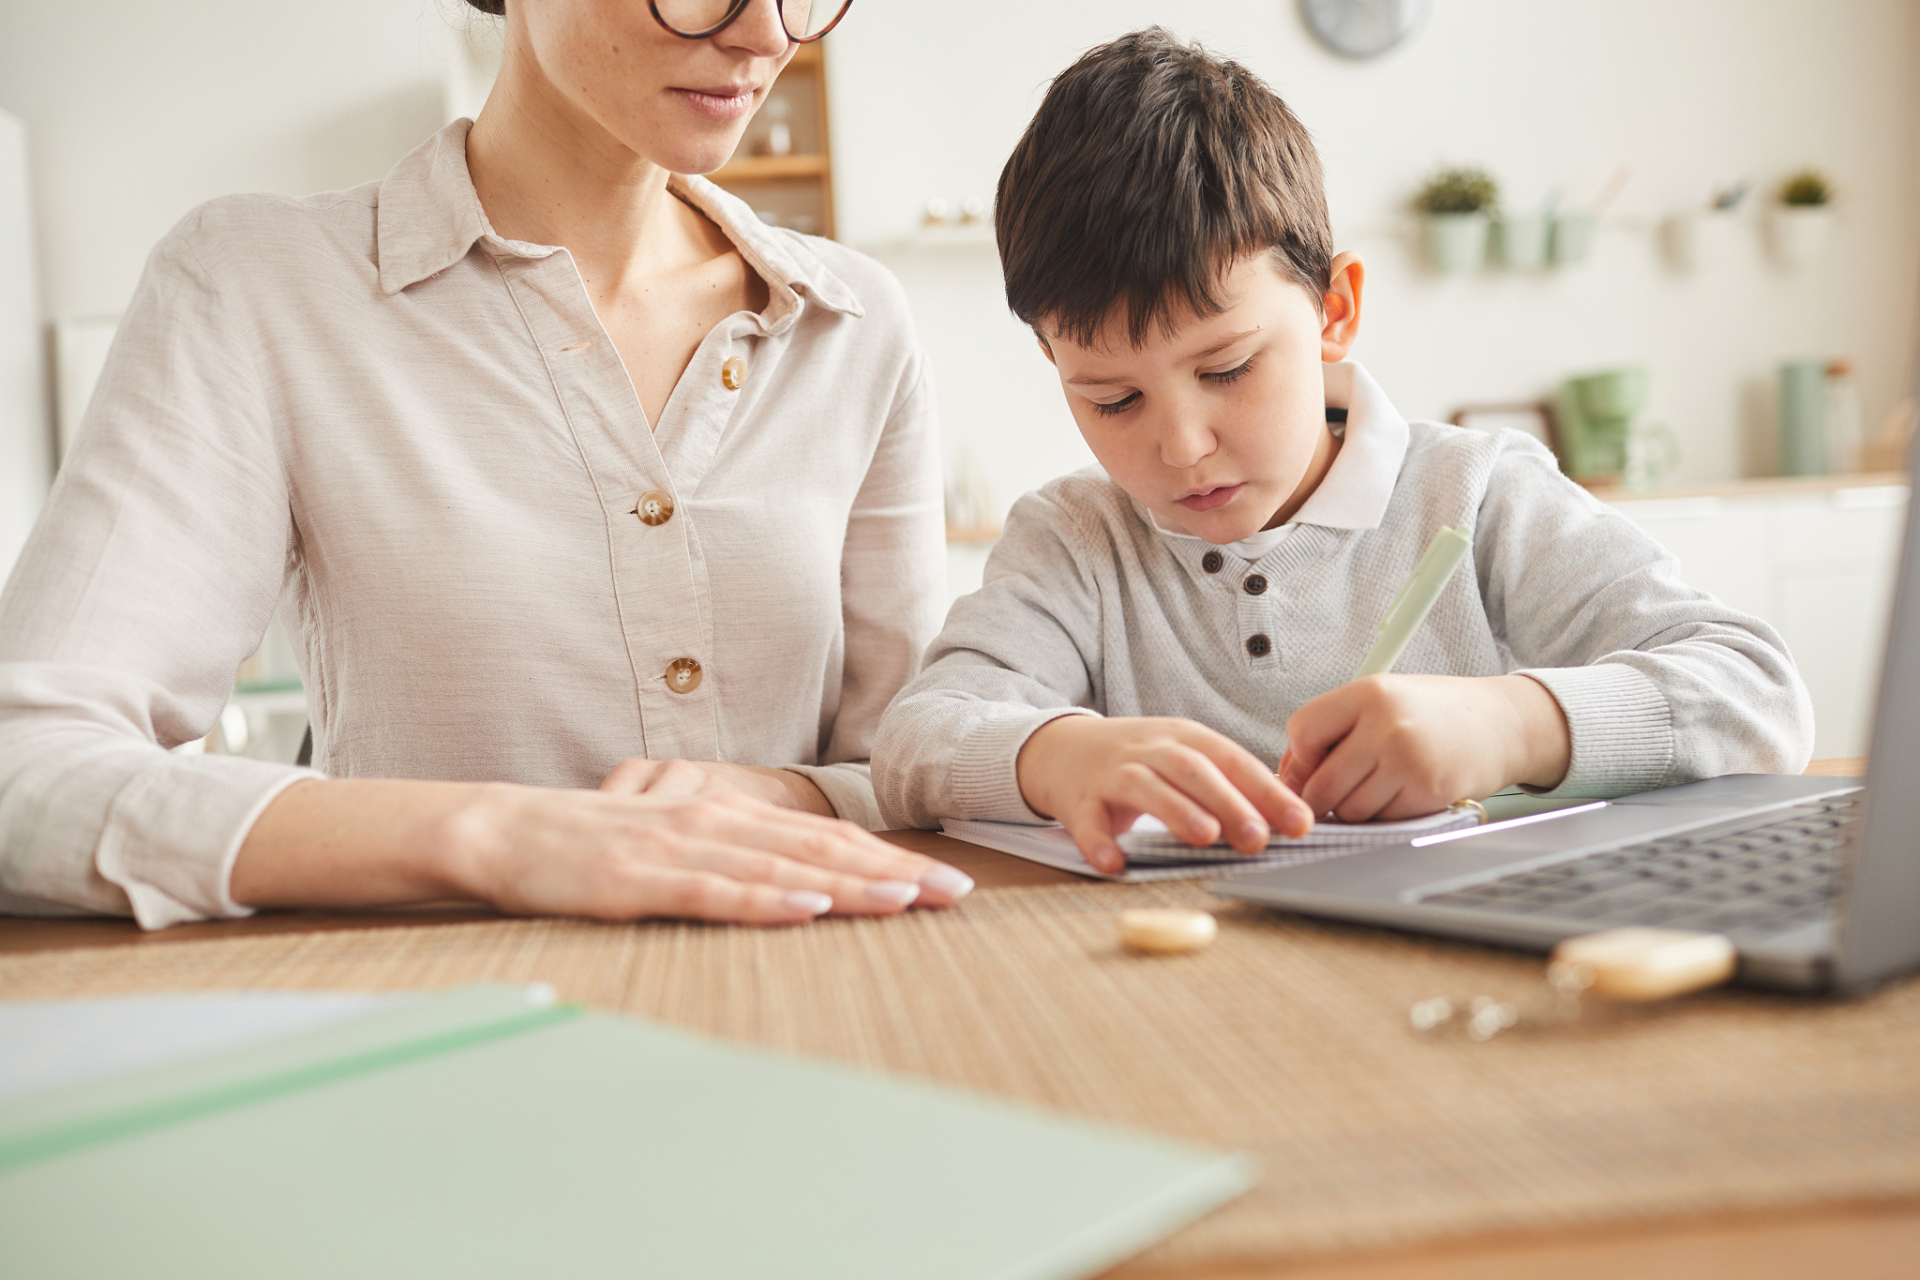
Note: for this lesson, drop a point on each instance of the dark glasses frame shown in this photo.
(739, 7)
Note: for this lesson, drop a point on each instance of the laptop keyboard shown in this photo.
(1760, 876)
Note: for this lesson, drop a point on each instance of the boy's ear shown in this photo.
(1045, 350)
(1341, 307)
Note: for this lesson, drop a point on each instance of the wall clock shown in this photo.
(1362, 28)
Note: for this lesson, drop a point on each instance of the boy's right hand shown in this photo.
(1095, 775)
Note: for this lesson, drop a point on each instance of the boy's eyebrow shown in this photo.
(1215, 349)
(1224, 343)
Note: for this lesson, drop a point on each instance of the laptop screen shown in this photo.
(1880, 927)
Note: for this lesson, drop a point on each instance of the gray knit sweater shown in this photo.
(1088, 607)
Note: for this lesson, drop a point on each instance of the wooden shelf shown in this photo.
(771, 169)
(795, 190)
(1753, 487)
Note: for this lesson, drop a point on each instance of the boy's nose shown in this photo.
(1184, 442)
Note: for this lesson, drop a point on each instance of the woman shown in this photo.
(668, 493)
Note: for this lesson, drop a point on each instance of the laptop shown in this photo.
(1815, 880)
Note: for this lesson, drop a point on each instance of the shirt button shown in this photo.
(1211, 562)
(733, 372)
(655, 507)
(1258, 646)
(1255, 584)
(683, 675)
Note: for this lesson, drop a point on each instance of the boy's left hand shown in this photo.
(1392, 747)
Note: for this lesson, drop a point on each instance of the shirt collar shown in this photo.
(429, 217)
(1357, 487)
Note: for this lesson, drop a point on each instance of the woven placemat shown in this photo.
(1286, 1039)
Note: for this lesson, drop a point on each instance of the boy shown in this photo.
(1150, 638)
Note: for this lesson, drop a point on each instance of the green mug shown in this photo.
(1596, 422)
(1617, 393)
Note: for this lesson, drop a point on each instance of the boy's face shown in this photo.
(1218, 426)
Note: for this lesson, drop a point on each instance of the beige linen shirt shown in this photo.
(415, 438)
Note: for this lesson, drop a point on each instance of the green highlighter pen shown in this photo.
(1416, 599)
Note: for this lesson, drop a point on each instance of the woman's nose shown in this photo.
(760, 31)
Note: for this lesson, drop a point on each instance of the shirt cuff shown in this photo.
(1620, 725)
(986, 780)
(848, 787)
(173, 833)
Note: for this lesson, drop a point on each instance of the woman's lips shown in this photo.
(1211, 498)
(724, 103)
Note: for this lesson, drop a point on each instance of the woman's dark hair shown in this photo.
(1150, 167)
(498, 8)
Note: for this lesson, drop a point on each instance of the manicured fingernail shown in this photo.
(814, 904)
(953, 883)
(894, 893)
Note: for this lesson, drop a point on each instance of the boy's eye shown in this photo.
(1116, 406)
(1234, 374)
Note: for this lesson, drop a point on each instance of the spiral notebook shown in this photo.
(1154, 853)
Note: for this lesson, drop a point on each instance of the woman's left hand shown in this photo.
(783, 787)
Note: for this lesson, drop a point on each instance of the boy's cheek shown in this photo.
(1127, 465)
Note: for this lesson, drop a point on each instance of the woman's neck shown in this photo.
(547, 173)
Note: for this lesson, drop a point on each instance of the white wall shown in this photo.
(1548, 96)
(25, 441)
(138, 111)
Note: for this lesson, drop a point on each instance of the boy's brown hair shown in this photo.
(1149, 168)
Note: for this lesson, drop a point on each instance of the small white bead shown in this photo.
(1165, 931)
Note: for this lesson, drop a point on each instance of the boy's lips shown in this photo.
(1208, 499)
(722, 102)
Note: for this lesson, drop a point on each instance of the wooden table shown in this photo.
(1856, 1241)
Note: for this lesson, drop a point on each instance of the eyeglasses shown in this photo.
(805, 20)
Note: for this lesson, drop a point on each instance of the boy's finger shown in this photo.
(1369, 800)
(1315, 729)
(1283, 811)
(1345, 768)
(1145, 789)
(1229, 814)
(1089, 828)
(1278, 806)
(1249, 780)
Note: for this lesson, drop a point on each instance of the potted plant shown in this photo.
(1802, 221)
(1701, 239)
(1453, 206)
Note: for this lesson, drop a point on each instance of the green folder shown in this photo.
(470, 1135)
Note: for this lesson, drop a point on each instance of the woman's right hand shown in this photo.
(705, 855)
(710, 855)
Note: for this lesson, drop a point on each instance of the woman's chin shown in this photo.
(699, 155)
